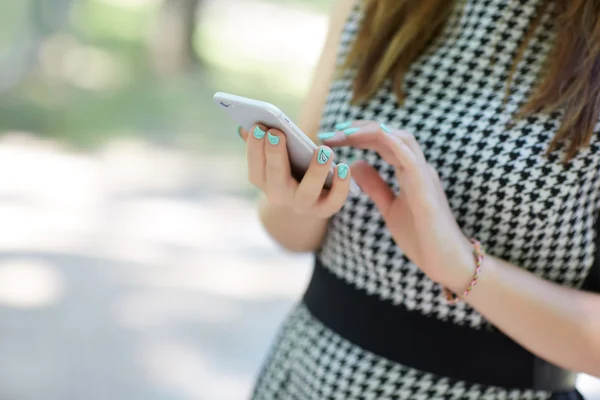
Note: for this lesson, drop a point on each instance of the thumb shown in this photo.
(370, 182)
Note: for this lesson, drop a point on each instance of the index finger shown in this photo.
(352, 133)
(364, 132)
(373, 135)
(368, 136)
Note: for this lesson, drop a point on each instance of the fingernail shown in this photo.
(274, 140)
(259, 133)
(240, 131)
(384, 128)
(326, 135)
(343, 125)
(350, 131)
(342, 170)
(323, 155)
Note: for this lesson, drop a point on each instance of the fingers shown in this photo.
(406, 158)
(269, 169)
(371, 183)
(411, 142)
(374, 136)
(279, 184)
(242, 133)
(337, 195)
(352, 134)
(311, 186)
(255, 152)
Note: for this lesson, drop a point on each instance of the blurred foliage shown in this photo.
(93, 81)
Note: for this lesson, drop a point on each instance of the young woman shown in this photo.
(470, 126)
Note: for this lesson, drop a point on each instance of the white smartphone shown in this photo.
(248, 112)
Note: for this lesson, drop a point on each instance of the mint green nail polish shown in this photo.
(259, 133)
(343, 125)
(350, 131)
(274, 140)
(326, 135)
(342, 170)
(240, 131)
(323, 155)
(384, 128)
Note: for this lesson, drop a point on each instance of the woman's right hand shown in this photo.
(269, 170)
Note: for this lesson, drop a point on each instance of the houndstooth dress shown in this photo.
(524, 207)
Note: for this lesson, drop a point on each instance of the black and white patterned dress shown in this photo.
(524, 207)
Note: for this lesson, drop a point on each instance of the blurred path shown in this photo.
(135, 273)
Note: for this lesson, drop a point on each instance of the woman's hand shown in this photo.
(422, 224)
(419, 218)
(269, 170)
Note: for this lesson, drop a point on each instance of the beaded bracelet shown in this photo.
(478, 254)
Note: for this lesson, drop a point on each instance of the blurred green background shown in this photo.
(86, 71)
(132, 262)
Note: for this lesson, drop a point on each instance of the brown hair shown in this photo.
(394, 33)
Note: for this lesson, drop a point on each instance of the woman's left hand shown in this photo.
(419, 218)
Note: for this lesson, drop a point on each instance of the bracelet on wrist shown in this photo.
(478, 254)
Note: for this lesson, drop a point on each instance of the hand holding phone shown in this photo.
(269, 169)
(284, 162)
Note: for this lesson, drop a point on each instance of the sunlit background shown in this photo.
(132, 264)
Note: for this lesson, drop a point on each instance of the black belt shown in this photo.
(428, 344)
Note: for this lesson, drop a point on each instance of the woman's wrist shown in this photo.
(462, 269)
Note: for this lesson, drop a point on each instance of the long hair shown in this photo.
(394, 33)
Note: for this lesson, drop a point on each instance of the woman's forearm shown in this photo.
(294, 232)
(559, 324)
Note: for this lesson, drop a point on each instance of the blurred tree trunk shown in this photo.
(172, 41)
(39, 19)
